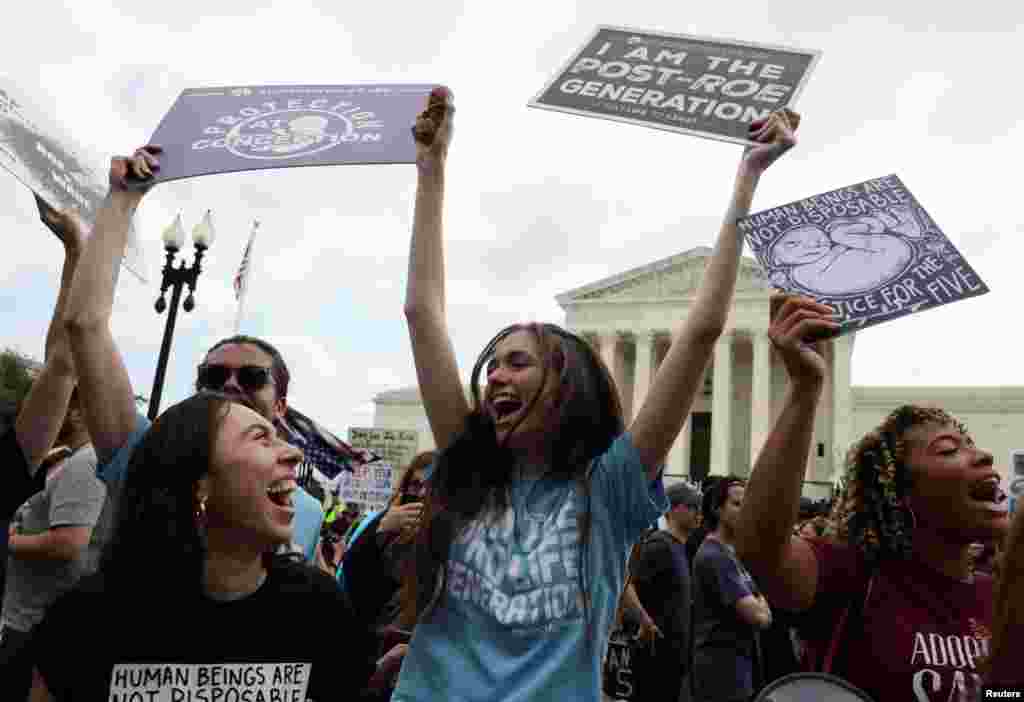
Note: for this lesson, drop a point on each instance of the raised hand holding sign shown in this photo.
(434, 129)
(775, 135)
(65, 224)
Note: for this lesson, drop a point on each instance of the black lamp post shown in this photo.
(177, 278)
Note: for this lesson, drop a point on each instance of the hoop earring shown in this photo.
(200, 513)
(913, 517)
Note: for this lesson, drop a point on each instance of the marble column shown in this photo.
(760, 393)
(842, 403)
(721, 408)
(644, 369)
(611, 354)
(679, 454)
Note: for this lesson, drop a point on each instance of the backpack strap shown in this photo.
(635, 554)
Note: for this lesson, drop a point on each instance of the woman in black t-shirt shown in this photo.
(209, 491)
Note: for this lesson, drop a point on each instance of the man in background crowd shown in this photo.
(661, 583)
(729, 610)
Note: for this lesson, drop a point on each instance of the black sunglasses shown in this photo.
(213, 376)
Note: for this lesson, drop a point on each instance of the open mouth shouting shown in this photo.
(280, 493)
(987, 494)
(505, 408)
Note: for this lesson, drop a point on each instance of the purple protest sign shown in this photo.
(242, 128)
(870, 250)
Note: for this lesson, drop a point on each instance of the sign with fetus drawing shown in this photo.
(869, 250)
(223, 130)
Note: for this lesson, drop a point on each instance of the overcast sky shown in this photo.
(538, 202)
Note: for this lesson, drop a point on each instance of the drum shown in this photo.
(811, 687)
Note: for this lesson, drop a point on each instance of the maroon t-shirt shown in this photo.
(920, 637)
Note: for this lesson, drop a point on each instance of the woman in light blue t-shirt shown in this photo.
(538, 491)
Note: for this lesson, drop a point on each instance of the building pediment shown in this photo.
(671, 278)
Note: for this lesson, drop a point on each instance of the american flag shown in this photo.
(322, 448)
(242, 277)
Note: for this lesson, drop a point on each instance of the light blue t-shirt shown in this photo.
(511, 625)
(309, 518)
(112, 471)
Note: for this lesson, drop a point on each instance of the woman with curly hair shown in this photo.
(895, 607)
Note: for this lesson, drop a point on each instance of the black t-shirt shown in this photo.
(268, 646)
(661, 576)
(725, 646)
(18, 486)
(662, 581)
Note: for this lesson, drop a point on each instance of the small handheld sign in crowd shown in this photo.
(243, 128)
(53, 167)
(370, 485)
(694, 85)
(396, 446)
(869, 250)
(1016, 476)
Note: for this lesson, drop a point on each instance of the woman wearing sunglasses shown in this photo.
(207, 489)
(538, 493)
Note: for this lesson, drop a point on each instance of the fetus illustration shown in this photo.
(302, 133)
(848, 256)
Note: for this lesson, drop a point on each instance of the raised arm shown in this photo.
(785, 566)
(671, 395)
(44, 409)
(436, 369)
(108, 400)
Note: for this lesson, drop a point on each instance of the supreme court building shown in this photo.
(630, 317)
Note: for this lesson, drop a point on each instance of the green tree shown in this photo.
(15, 380)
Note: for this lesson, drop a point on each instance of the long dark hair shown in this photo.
(585, 419)
(157, 505)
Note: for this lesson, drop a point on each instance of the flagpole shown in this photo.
(243, 287)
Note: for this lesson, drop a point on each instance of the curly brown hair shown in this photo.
(870, 512)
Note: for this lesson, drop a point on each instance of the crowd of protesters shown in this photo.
(142, 553)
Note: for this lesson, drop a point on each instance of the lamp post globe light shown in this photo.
(177, 278)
